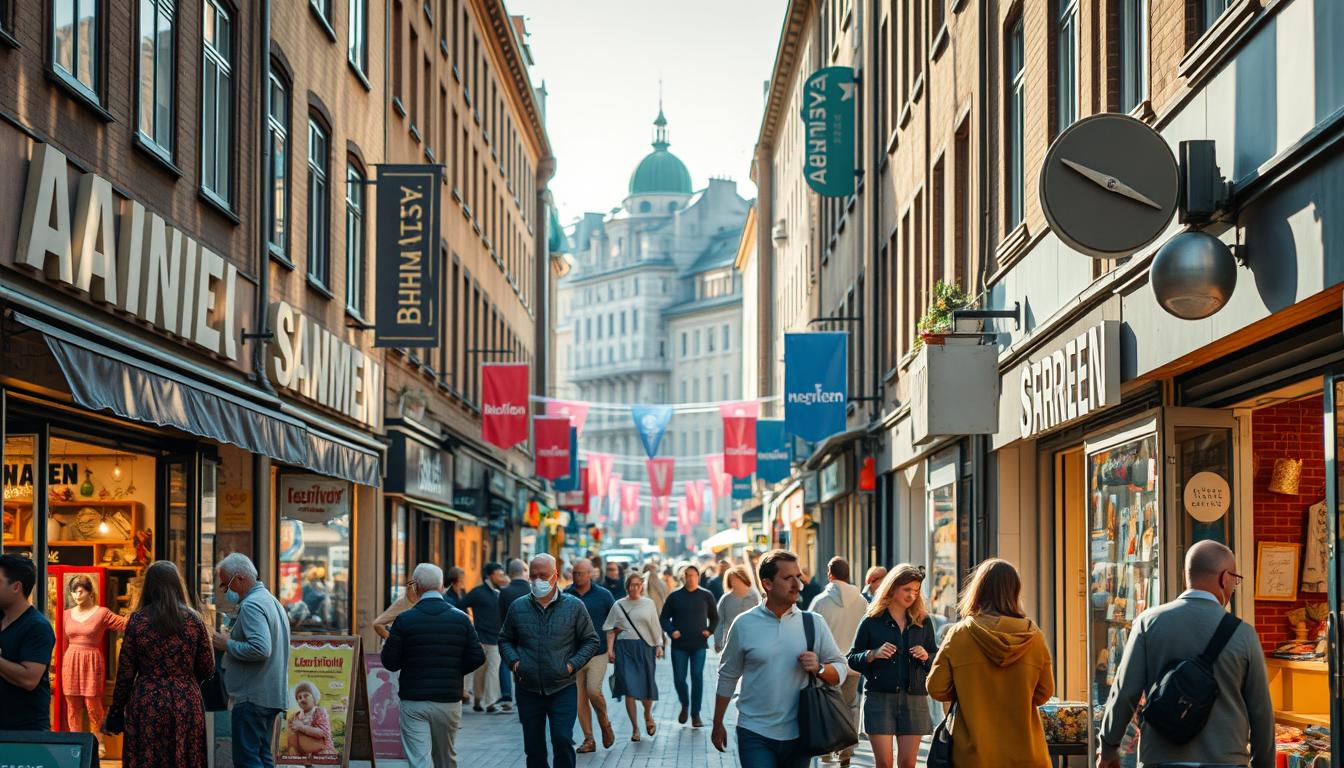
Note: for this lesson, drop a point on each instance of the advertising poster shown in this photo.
(384, 708)
(321, 683)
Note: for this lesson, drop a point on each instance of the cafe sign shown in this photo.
(1068, 384)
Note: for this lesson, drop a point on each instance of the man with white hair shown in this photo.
(256, 659)
(438, 644)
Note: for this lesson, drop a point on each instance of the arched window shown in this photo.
(645, 207)
(672, 206)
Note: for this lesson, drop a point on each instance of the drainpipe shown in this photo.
(980, 505)
(765, 271)
(261, 333)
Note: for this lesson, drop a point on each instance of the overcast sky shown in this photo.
(602, 60)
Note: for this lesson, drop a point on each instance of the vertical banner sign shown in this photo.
(828, 121)
(504, 403)
(658, 512)
(573, 480)
(576, 411)
(720, 483)
(772, 451)
(739, 437)
(551, 437)
(815, 367)
(406, 284)
(742, 488)
(630, 503)
(661, 473)
(651, 422)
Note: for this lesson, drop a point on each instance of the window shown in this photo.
(937, 213)
(709, 387)
(354, 239)
(414, 96)
(683, 350)
(1133, 53)
(217, 101)
(634, 318)
(398, 95)
(155, 120)
(76, 33)
(961, 208)
(695, 341)
(1014, 111)
(709, 340)
(727, 344)
(358, 45)
(279, 170)
(1066, 65)
(318, 213)
(1210, 11)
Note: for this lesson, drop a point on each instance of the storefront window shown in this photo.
(942, 502)
(314, 547)
(397, 569)
(19, 485)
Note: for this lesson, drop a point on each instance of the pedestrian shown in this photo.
(739, 598)
(669, 578)
(484, 604)
(165, 655)
(1240, 728)
(516, 586)
(256, 660)
(614, 581)
(405, 601)
(872, 580)
(592, 675)
(810, 589)
(843, 607)
(715, 582)
(635, 640)
(26, 643)
(654, 587)
(453, 591)
(546, 638)
(892, 650)
(566, 576)
(995, 665)
(690, 616)
(768, 652)
(438, 645)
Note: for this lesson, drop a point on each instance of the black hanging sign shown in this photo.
(407, 256)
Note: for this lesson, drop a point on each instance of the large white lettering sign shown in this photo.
(150, 270)
(317, 364)
(1072, 382)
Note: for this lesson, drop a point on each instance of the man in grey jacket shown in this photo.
(547, 636)
(1181, 629)
(256, 660)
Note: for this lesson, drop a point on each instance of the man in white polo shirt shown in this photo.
(767, 651)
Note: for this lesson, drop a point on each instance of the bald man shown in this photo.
(1181, 629)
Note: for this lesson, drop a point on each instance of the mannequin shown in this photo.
(83, 667)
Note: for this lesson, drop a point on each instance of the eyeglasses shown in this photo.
(1236, 576)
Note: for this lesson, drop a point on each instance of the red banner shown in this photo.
(551, 436)
(695, 494)
(658, 511)
(739, 437)
(600, 465)
(575, 410)
(720, 484)
(504, 403)
(683, 518)
(630, 503)
(661, 473)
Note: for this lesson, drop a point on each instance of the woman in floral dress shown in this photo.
(83, 668)
(164, 657)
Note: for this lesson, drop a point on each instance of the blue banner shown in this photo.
(651, 422)
(742, 487)
(773, 456)
(570, 482)
(815, 386)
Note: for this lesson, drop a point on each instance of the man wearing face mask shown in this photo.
(547, 636)
(1242, 715)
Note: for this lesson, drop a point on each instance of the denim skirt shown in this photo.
(896, 714)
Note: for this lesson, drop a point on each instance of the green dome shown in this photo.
(660, 172)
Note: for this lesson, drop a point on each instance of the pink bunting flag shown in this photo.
(576, 410)
(630, 503)
(600, 465)
(658, 511)
(614, 499)
(720, 483)
(661, 472)
(683, 518)
(739, 437)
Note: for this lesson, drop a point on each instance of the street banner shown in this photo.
(384, 708)
(321, 685)
(695, 495)
(504, 403)
(599, 464)
(630, 503)
(613, 499)
(576, 411)
(815, 386)
(739, 437)
(592, 499)
(683, 517)
(742, 488)
(550, 435)
(406, 256)
(658, 512)
(720, 483)
(828, 122)
(573, 480)
(651, 422)
(661, 473)
(772, 450)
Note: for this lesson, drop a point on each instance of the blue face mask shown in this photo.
(229, 594)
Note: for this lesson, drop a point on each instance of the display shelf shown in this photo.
(1301, 719)
(1300, 692)
(1299, 665)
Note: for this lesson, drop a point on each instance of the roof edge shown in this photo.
(506, 36)
(790, 36)
(748, 242)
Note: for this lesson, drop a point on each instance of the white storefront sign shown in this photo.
(317, 364)
(1070, 383)
(313, 498)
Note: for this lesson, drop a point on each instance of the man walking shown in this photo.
(26, 641)
(872, 580)
(599, 603)
(767, 651)
(1179, 630)
(809, 591)
(483, 602)
(256, 660)
(515, 587)
(715, 583)
(842, 605)
(689, 616)
(437, 643)
(615, 580)
(547, 637)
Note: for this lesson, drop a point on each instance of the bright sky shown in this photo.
(602, 60)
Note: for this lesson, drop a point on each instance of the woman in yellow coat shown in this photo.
(995, 665)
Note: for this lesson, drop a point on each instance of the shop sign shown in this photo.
(834, 479)
(64, 473)
(313, 498)
(467, 499)
(125, 256)
(811, 488)
(1207, 496)
(315, 363)
(406, 286)
(828, 120)
(1072, 382)
(424, 471)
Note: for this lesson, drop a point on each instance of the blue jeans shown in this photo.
(757, 751)
(560, 709)
(681, 659)
(252, 726)
(505, 683)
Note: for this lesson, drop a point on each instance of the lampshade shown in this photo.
(1287, 476)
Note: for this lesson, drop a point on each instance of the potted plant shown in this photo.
(936, 323)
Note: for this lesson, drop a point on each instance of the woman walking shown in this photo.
(634, 643)
(994, 665)
(164, 657)
(892, 650)
(738, 598)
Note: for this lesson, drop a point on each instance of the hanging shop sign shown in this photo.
(315, 363)
(419, 470)
(742, 488)
(815, 386)
(406, 286)
(504, 403)
(126, 257)
(834, 479)
(551, 435)
(772, 450)
(739, 437)
(828, 122)
(313, 498)
(651, 422)
(1072, 382)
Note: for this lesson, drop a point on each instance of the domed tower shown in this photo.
(660, 184)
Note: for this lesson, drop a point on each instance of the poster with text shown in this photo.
(321, 684)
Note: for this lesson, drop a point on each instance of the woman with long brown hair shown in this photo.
(994, 665)
(164, 657)
(892, 649)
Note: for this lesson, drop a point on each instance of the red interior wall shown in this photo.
(1289, 431)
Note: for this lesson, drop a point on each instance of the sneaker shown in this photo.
(492, 709)
(586, 747)
(506, 706)
(681, 718)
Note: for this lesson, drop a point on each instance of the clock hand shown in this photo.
(1110, 183)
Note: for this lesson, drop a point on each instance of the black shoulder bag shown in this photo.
(940, 748)
(824, 724)
(1179, 703)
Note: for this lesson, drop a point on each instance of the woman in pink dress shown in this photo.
(83, 667)
(309, 727)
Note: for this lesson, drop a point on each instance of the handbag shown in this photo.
(115, 722)
(617, 670)
(824, 724)
(940, 748)
(214, 694)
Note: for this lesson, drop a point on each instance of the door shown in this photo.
(1071, 586)
(1200, 452)
(1334, 449)
(178, 513)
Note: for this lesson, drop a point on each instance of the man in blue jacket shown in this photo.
(437, 643)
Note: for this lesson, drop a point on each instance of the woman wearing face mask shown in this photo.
(635, 642)
(892, 650)
(83, 668)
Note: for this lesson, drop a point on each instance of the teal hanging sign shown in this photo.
(828, 122)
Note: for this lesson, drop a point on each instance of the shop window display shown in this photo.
(314, 547)
(944, 536)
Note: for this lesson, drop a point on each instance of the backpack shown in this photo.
(1178, 704)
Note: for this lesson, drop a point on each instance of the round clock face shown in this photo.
(1109, 185)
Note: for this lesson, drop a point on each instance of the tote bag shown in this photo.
(824, 724)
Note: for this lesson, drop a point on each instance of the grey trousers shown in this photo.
(428, 730)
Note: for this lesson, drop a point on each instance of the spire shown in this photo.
(660, 142)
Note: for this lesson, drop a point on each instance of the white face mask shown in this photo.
(540, 588)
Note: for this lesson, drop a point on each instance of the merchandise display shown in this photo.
(1065, 722)
(1302, 748)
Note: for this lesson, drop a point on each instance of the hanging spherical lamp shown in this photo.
(1193, 275)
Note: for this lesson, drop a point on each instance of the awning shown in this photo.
(103, 379)
(729, 537)
(753, 515)
(833, 445)
(441, 511)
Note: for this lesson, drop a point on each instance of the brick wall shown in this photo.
(1290, 430)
